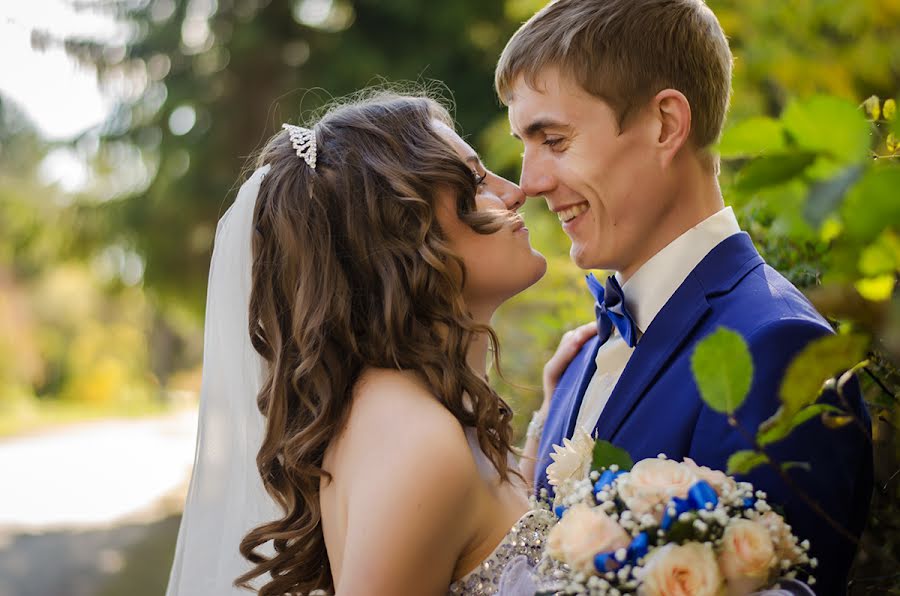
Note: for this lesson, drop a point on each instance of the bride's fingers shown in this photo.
(569, 345)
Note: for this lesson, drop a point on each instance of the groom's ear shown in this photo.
(672, 111)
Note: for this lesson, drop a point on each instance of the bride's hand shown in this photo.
(568, 348)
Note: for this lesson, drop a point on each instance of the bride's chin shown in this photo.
(533, 274)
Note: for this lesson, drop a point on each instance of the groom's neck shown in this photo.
(694, 197)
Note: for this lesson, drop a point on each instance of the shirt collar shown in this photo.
(648, 290)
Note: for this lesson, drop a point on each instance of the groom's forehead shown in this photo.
(536, 108)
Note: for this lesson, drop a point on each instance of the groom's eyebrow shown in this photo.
(538, 126)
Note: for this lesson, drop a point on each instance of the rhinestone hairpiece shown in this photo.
(304, 141)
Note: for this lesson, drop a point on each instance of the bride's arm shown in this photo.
(568, 348)
(411, 483)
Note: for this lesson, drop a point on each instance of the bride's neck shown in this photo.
(477, 355)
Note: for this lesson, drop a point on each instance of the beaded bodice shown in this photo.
(526, 538)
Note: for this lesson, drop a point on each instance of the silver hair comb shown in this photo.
(304, 141)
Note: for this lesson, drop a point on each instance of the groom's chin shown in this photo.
(582, 257)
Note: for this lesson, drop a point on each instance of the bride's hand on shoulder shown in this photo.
(569, 346)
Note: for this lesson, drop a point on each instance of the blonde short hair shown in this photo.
(625, 52)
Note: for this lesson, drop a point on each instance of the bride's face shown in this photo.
(498, 265)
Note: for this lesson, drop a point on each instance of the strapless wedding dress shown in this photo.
(508, 569)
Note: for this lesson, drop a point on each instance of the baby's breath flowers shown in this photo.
(662, 527)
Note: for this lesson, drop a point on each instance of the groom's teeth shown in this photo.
(572, 212)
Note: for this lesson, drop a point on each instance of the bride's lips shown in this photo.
(518, 225)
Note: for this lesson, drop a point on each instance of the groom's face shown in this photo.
(602, 182)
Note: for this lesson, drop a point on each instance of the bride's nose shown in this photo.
(511, 195)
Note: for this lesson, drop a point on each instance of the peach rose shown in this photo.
(573, 460)
(718, 480)
(581, 534)
(654, 481)
(747, 556)
(686, 570)
(785, 542)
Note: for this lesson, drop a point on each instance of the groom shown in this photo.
(618, 103)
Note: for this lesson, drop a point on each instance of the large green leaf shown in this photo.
(752, 137)
(742, 462)
(772, 170)
(782, 423)
(825, 196)
(606, 454)
(872, 204)
(723, 369)
(829, 125)
(819, 361)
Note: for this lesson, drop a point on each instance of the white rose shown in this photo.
(686, 570)
(747, 556)
(718, 480)
(573, 460)
(654, 481)
(583, 533)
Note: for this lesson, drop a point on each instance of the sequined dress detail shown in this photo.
(526, 538)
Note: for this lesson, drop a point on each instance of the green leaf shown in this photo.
(825, 196)
(781, 423)
(829, 125)
(872, 205)
(742, 462)
(834, 422)
(790, 465)
(895, 122)
(723, 369)
(819, 361)
(606, 454)
(752, 137)
(773, 170)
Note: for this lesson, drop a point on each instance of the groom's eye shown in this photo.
(553, 142)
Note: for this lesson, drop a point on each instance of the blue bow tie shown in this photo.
(611, 310)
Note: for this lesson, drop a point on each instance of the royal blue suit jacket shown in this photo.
(656, 407)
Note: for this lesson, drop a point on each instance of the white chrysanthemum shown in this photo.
(572, 460)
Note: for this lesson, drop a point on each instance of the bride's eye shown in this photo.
(479, 178)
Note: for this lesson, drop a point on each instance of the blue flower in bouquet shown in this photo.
(664, 523)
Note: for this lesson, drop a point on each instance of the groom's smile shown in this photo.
(567, 214)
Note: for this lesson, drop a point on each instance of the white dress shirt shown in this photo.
(646, 293)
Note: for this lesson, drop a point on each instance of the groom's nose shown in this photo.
(536, 179)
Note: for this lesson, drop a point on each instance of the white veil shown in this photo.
(226, 497)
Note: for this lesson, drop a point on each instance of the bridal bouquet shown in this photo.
(661, 527)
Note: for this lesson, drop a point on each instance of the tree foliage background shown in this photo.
(102, 289)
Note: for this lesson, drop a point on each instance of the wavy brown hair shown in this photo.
(351, 270)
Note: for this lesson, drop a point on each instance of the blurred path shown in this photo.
(93, 474)
(76, 502)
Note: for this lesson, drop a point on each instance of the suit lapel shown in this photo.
(587, 373)
(665, 335)
(718, 273)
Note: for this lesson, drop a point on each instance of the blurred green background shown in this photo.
(102, 282)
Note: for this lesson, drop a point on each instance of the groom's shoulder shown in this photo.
(765, 298)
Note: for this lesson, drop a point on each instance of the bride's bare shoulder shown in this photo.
(403, 456)
(393, 399)
(398, 405)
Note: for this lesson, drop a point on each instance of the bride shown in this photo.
(346, 345)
